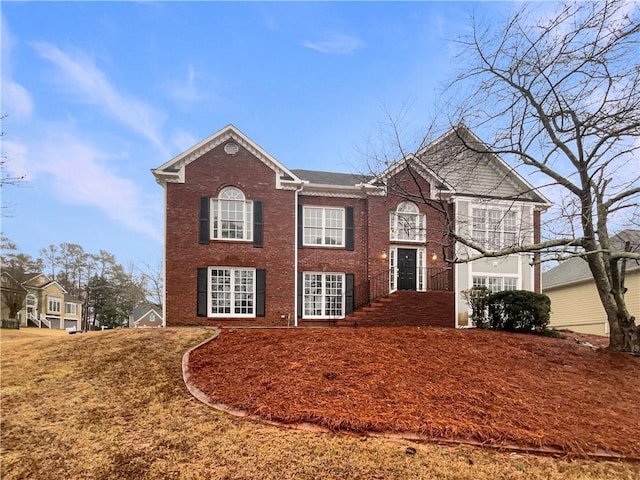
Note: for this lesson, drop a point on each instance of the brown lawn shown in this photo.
(495, 388)
(113, 405)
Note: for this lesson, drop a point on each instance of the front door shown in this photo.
(407, 269)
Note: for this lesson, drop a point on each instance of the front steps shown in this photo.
(406, 308)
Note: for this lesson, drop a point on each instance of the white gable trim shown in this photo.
(173, 170)
(422, 170)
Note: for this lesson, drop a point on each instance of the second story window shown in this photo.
(407, 224)
(494, 229)
(323, 226)
(54, 305)
(71, 308)
(232, 216)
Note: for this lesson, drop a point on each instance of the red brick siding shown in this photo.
(206, 176)
(215, 170)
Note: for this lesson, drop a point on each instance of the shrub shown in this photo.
(519, 311)
(477, 298)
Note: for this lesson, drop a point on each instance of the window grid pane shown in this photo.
(231, 216)
(333, 295)
(323, 295)
(220, 291)
(323, 226)
(406, 223)
(243, 292)
(510, 283)
(232, 292)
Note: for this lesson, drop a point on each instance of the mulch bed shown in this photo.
(492, 387)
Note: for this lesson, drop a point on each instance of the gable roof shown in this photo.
(71, 299)
(173, 170)
(576, 269)
(331, 178)
(465, 163)
(140, 311)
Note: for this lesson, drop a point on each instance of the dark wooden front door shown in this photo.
(406, 269)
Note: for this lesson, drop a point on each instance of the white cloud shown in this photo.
(16, 100)
(187, 92)
(335, 43)
(182, 140)
(16, 164)
(81, 76)
(75, 170)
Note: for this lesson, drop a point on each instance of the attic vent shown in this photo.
(231, 148)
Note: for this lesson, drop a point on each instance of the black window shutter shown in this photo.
(350, 293)
(257, 224)
(205, 231)
(202, 292)
(300, 224)
(300, 296)
(349, 230)
(261, 289)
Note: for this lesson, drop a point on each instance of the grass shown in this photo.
(107, 405)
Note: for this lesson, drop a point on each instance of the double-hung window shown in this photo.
(71, 308)
(323, 226)
(323, 295)
(407, 224)
(54, 305)
(232, 216)
(494, 228)
(496, 284)
(232, 292)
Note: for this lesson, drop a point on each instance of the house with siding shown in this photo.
(47, 304)
(575, 304)
(251, 242)
(145, 315)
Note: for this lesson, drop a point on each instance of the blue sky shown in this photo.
(97, 94)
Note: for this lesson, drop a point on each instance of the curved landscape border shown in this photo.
(408, 436)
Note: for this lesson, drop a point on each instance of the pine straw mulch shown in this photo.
(491, 387)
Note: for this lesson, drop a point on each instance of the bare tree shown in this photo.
(152, 277)
(6, 176)
(16, 268)
(559, 92)
(562, 94)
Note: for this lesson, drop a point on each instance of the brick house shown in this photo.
(251, 242)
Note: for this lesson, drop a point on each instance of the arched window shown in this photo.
(232, 215)
(407, 224)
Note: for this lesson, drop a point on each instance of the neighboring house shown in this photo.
(48, 304)
(251, 242)
(575, 303)
(146, 316)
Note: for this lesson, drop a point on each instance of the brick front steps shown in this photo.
(406, 308)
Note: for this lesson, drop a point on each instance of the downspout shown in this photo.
(295, 257)
(164, 262)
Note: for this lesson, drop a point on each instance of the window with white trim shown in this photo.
(232, 215)
(54, 305)
(71, 308)
(31, 300)
(496, 284)
(494, 228)
(407, 224)
(393, 274)
(323, 295)
(323, 226)
(232, 292)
